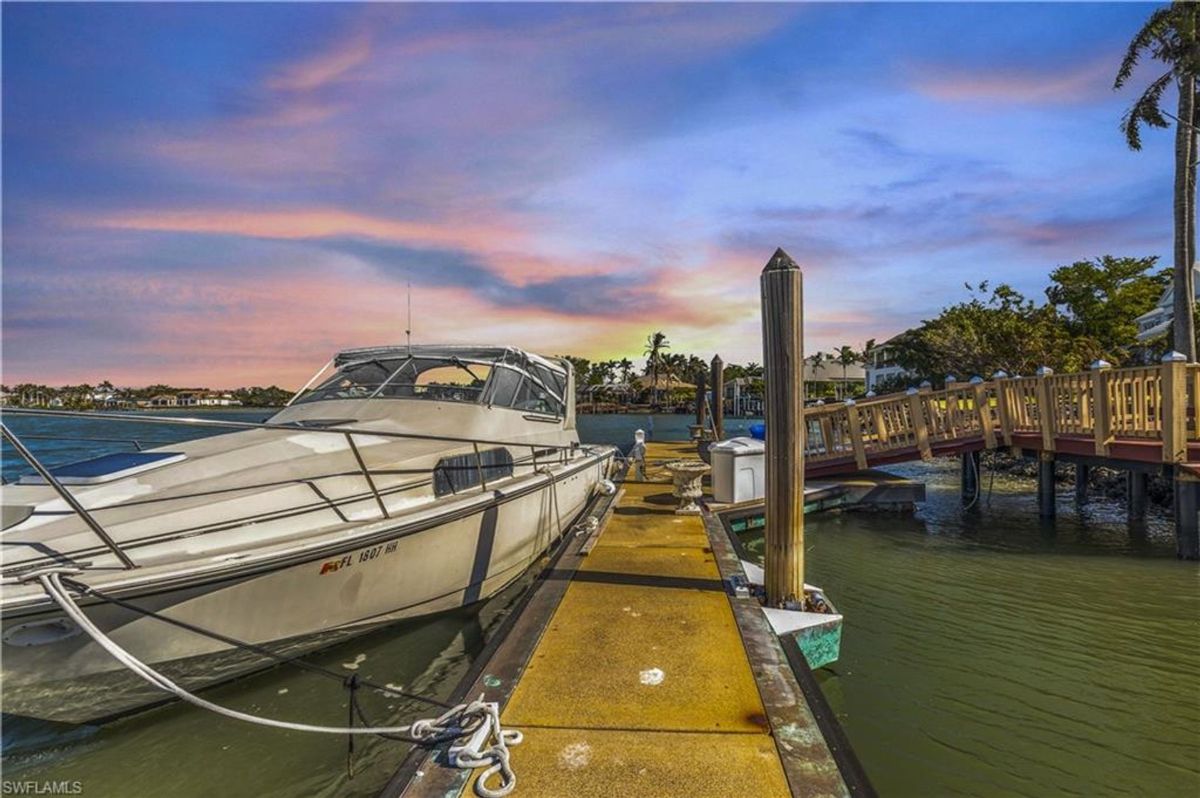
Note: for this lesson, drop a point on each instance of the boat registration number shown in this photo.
(366, 555)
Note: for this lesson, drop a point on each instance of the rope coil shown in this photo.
(485, 745)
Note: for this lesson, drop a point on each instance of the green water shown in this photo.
(983, 654)
(987, 654)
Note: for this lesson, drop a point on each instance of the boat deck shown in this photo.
(641, 685)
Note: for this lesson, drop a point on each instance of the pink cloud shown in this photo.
(1081, 83)
(323, 68)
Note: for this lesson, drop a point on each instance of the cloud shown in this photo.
(1075, 84)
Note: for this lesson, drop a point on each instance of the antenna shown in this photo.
(408, 331)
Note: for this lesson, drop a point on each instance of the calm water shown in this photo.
(984, 654)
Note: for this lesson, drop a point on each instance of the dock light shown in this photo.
(999, 375)
(819, 402)
(976, 380)
(911, 391)
(1045, 371)
(951, 378)
(1101, 364)
(926, 384)
(870, 394)
(850, 402)
(1174, 357)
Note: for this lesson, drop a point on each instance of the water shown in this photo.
(984, 654)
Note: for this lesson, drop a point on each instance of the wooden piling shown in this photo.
(701, 394)
(1046, 506)
(1135, 494)
(1187, 515)
(1082, 474)
(783, 359)
(718, 393)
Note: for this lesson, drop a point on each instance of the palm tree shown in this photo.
(626, 367)
(1170, 36)
(655, 345)
(847, 357)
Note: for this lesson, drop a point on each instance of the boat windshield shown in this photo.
(439, 379)
(506, 379)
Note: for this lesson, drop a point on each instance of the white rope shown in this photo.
(487, 744)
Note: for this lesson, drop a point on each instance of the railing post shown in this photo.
(1002, 399)
(920, 429)
(1101, 412)
(479, 466)
(881, 433)
(783, 349)
(367, 476)
(854, 424)
(1045, 402)
(1174, 407)
(984, 411)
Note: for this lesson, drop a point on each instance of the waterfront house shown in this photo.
(881, 364)
(1157, 322)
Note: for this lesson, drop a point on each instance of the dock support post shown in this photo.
(969, 476)
(1135, 494)
(718, 393)
(1187, 515)
(701, 397)
(1046, 484)
(1082, 473)
(783, 360)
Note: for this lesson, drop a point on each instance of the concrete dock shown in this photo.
(639, 682)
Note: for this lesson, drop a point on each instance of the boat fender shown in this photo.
(607, 487)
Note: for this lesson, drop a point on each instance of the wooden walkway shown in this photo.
(1143, 415)
(641, 684)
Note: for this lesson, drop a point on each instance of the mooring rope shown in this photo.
(475, 725)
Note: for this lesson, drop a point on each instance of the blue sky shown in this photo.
(223, 194)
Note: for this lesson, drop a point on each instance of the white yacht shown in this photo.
(411, 481)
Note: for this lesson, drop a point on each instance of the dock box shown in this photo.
(738, 470)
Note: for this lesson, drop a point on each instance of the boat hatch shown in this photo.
(106, 468)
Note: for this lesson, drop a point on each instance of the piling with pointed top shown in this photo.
(718, 397)
(783, 359)
(701, 396)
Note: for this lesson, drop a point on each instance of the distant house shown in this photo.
(212, 399)
(1157, 322)
(882, 365)
(162, 400)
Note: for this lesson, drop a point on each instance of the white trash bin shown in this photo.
(738, 470)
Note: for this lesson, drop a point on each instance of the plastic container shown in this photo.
(738, 470)
(758, 431)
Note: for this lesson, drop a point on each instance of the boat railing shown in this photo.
(540, 455)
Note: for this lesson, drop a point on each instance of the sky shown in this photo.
(225, 195)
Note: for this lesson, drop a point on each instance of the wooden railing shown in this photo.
(1156, 403)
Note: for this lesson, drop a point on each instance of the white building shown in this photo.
(1158, 321)
(882, 365)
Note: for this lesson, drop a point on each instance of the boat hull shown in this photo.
(54, 672)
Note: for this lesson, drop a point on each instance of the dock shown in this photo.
(636, 670)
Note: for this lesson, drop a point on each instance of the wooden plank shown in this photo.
(854, 424)
(1045, 400)
(1004, 390)
(1174, 407)
(1101, 415)
(920, 428)
(985, 416)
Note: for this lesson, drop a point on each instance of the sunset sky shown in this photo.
(224, 195)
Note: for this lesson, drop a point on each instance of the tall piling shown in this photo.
(783, 360)
(1135, 494)
(718, 397)
(1082, 475)
(701, 396)
(1046, 507)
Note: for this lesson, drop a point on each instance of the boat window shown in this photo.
(532, 398)
(462, 471)
(439, 379)
(504, 387)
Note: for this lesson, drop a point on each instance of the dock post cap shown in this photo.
(911, 390)
(1044, 371)
(926, 384)
(819, 402)
(851, 401)
(976, 380)
(870, 394)
(1174, 357)
(1100, 364)
(781, 261)
(1000, 374)
(951, 378)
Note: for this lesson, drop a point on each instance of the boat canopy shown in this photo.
(495, 376)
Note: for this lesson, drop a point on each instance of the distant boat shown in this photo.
(413, 480)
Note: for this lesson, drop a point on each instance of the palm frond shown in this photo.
(1146, 111)
(1155, 28)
